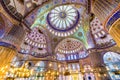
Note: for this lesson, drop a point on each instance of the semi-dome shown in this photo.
(36, 38)
(70, 49)
(70, 45)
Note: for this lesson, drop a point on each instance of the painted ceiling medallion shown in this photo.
(63, 20)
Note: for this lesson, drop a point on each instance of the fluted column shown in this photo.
(103, 9)
(6, 55)
(108, 12)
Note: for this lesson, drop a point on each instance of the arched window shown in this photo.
(75, 57)
(72, 57)
(68, 57)
(112, 61)
(40, 66)
(73, 66)
(111, 57)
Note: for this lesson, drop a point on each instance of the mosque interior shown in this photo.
(59, 39)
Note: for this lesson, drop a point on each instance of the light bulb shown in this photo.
(50, 64)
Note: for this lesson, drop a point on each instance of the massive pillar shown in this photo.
(9, 45)
(7, 52)
(98, 66)
(108, 11)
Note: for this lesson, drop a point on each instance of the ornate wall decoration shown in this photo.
(70, 49)
(101, 37)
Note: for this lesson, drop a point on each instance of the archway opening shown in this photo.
(112, 62)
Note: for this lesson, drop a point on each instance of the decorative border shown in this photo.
(6, 9)
(7, 45)
(112, 19)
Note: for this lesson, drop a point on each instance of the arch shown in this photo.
(115, 31)
(31, 17)
(40, 46)
(70, 45)
(112, 61)
(111, 57)
(70, 49)
(36, 38)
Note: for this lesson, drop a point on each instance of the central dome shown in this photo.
(63, 20)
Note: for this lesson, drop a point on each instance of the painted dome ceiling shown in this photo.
(36, 38)
(70, 45)
(70, 49)
(52, 22)
(51, 39)
(35, 44)
(58, 26)
(63, 20)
